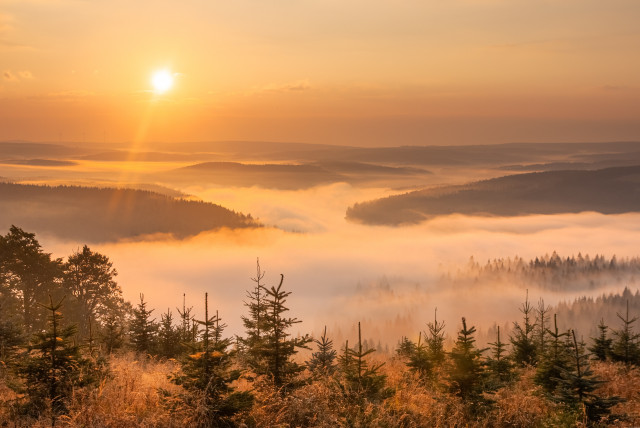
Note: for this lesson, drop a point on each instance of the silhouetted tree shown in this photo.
(277, 347)
(554, 361)
(168, 336)
(467, 372)
(89, 277)
(52, 366)
(206, 375)
(523, 349)
(255, 323)
(362, 380)
(405, 348)
(601, 348)
(625, 347)
(499, 365)
(112, 334)
(143, 329)
(419, 360)
(578, 383)
(323, 362)
(28, 272)
(434, 341)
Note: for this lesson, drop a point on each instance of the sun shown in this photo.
(162, 81)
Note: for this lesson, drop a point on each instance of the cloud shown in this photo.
(297, 86)
(340, 273)
(26, 74)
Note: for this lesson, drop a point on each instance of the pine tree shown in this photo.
(143, 329)
(435, 341)
(601, 348)
(112, 334)
(255, 322)
(500, 367)
(206, 376)
(541, 329)
(277, 347)
(52, 366)
(405, 348)
(625, 348)
(419, 360)
(322, 362)
(11, 337)
(523, 350)
(168, 337)
(554, 361)
(188, 330)
(467, 372)
(362, 381)
(578, 383)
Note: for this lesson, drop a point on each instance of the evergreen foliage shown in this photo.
(255, 323)
(406, 347)
(28, 273)
(419, 360)
(112, 334)
(143, 329)
(53, 365)
(554, 361)
(206, 376)
(601, 348)
(435, 341)
(362, 380)
(578, 383)
(168, 337)
(323, 362)
(523, 349)
(89, 278)
(467, 373)
(276, 346)
(500, 367)
(626, 348)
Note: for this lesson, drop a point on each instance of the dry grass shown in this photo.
(132, 397)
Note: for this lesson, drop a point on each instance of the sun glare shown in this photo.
(162, 81)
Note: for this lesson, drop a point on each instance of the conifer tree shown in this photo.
(555, 360)
(467, 372)
(419, 361)
(361, 379)
(168, 336)
(601, 348)
(276, 347)
(435, 341)
(188, 330)
(541, 330)
(500, 367)
(578, 383)
(143, 329)
(206, 375)
(255, 322)
(52, 366)
(523, 349)
(323, 362)
(625, 348)
(406, 347)
(11, 337)
(112, 334)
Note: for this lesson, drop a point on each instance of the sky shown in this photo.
(376, 72)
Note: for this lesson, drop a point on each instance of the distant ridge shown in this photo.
(608, 191)
(104, 214)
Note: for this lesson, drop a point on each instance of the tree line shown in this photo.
(61, 322)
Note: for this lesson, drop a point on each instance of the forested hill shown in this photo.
(100, 215)
(609, 191)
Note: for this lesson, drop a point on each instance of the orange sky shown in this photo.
(324, 71)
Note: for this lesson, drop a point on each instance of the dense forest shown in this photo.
(89, 213)
(74, 353)
(608, 191)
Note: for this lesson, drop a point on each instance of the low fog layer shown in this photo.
(340, 273)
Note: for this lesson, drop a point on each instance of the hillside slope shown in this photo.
(609, 191)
